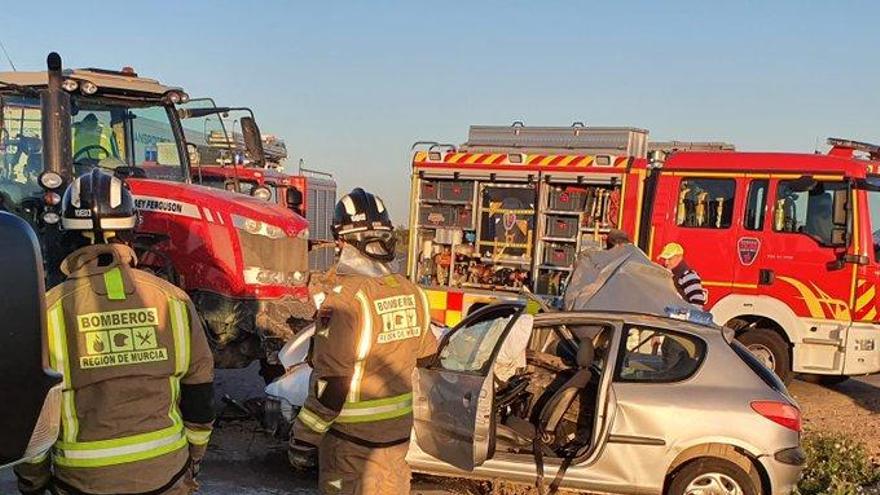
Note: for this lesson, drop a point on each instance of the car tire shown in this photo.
(824, 380)
(713, 475)
(771, 349)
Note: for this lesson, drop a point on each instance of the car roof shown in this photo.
(630, 319)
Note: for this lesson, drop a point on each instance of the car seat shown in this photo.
(555, 407)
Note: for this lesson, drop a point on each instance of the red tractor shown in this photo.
(243, 261)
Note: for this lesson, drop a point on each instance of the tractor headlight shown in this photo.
(51, 180)
(257, 227)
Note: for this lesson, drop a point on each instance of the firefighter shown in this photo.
(137, 406)
(372, 327)
(90, 135)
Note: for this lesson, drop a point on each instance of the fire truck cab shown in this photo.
(785, 245)
(784, 242)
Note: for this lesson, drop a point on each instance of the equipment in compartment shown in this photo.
(440, 216)
(429, 190)
(454, 190)
(559, 254)
(566, 198)
(562, 226)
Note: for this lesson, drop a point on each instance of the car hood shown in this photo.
(622, 279)
(220, 201)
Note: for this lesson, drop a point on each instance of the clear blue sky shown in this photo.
(352, 86)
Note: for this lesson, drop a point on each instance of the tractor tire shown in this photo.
(771, 349)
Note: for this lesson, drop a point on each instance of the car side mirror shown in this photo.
(294, 199)
(253, 141)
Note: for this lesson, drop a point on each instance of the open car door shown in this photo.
(453, 395)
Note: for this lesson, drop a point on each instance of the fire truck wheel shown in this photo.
(771, 349)
(824, 380)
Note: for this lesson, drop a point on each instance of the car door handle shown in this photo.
(766, 276)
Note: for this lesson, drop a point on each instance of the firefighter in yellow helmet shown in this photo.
(137, 399)
(371, 329)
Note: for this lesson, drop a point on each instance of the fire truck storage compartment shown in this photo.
(445, 216)
(567, 198)
(455, 190)
(562, 226)
(430, 189)
(559, 254)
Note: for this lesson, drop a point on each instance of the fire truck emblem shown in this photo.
(509, 221)
(747, 248)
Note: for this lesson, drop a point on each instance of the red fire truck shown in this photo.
(243, 261)
(783, 241)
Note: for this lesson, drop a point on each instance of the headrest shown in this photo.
(586, 353)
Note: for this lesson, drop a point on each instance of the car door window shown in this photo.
(471, 346)
(655, 355)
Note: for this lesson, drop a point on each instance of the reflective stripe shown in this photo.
(180, 328)
(198, 437)
(313, 421)
(376, 410)
(119, 451)
(427, 309)
(364, 343)
(59, 362)
(114, 284)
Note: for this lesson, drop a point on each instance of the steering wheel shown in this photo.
(87, 152)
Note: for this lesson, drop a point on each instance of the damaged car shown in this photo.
(629, 390)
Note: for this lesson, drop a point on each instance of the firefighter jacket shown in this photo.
(137, 392)
(369, 334)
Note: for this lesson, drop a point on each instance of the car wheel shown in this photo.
(713, 476)
(824, 380)
(771, 349)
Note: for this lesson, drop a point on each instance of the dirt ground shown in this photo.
(242, 459)
(852, 407)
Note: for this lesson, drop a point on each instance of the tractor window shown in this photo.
(756, 205)
(101, 132)
(705, 203)
(155, 146)
(811, 211)
(21, 151)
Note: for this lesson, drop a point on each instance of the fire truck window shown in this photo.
(21, 152)
(808, 212)
(874, 207)
(705, 203)
(756, 205)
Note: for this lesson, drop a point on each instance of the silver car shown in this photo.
(612, 402)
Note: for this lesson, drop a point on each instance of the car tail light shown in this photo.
(781, 413)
